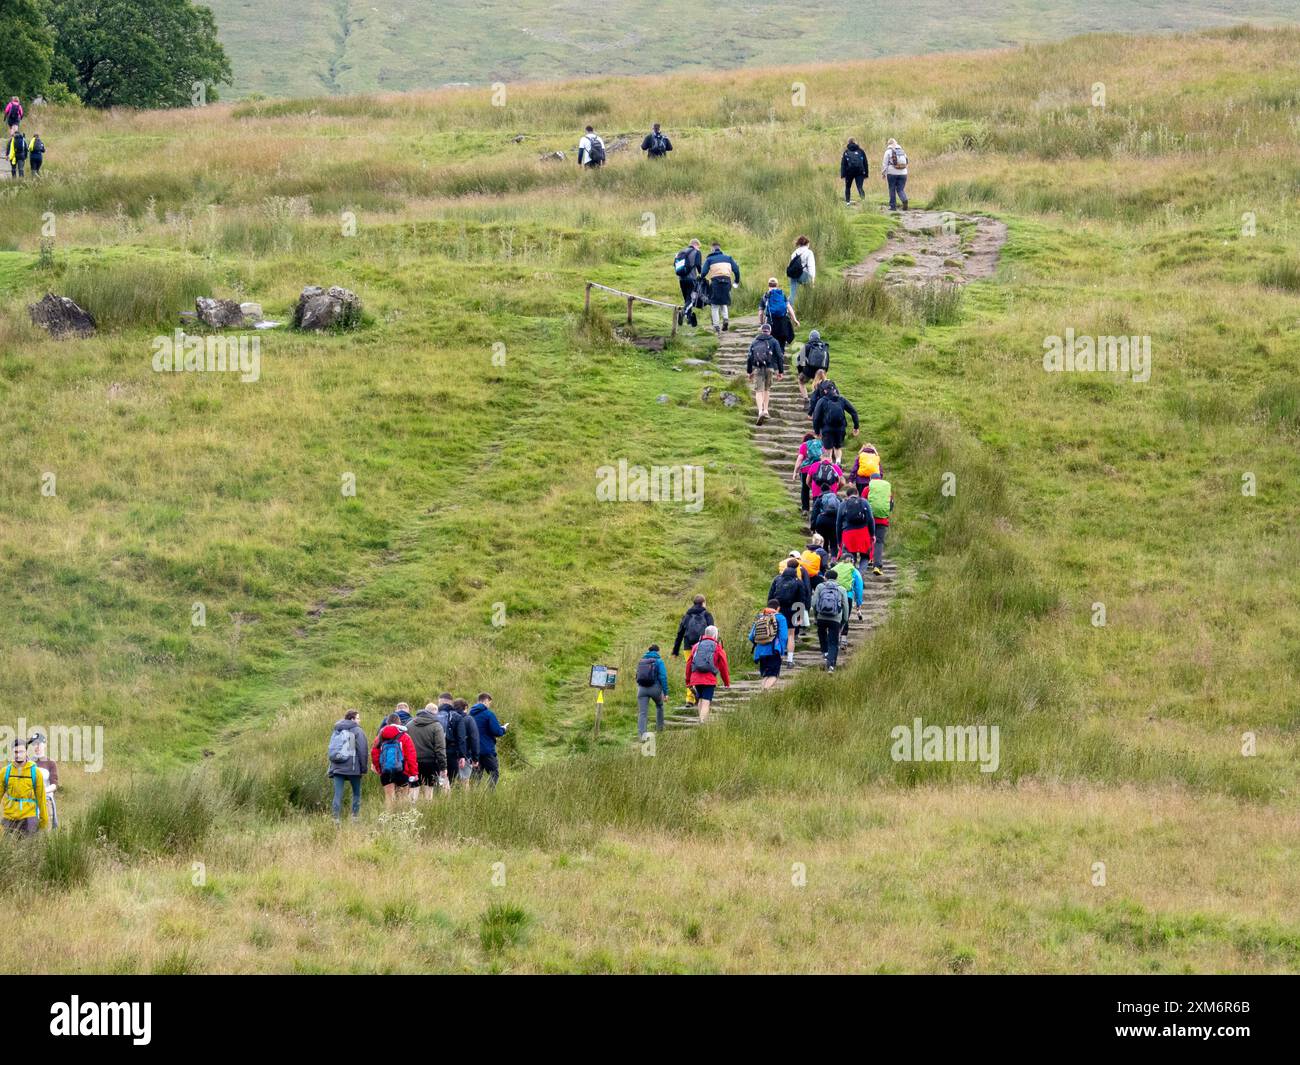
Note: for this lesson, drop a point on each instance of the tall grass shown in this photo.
(124, 294)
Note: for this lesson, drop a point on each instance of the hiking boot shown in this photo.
(877, 571)
(717, 332)
(726, 324)
(830, 669)
(761, 419)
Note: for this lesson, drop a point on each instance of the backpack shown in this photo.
(878, 496)
(811, 562)
(761, 351)
(868, 464)
(391, 756)
(855, 513)
(794, 268)
(647, 672)
(814, 452)
(20, 145)
(826, 603)
(898, 158)
(596, 153)
(824, 476)
(682, 264)
(766, 629)
(693, 631)
(816, 355)
(777, 304)
(343, 746)
(703, 661)
(658, 142)
(828, 506)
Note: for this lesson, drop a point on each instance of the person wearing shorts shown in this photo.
(405, 775)
(765, 357)
(767, 656)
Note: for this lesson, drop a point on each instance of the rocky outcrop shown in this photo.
(61, 317)
(335, 308)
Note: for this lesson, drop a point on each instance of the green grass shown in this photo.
(475, 406)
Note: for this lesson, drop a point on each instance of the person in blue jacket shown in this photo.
(768, 654)
(651, 686)
(489, 731)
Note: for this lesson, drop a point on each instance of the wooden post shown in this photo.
(629, 309)
(674, 332)
(587, 305)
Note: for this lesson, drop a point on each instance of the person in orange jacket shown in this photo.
(704, 665)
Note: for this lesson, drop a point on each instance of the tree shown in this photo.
(26, 49)
(137, 53)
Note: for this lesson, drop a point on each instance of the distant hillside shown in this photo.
(308, 47)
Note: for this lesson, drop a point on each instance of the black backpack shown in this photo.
(855, 512)
(693, 631)
(825, 476)
(596, 154)
(761, 350)
(816, 355)
(794, 268)
(647, 672)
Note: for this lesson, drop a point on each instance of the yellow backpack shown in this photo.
(868, 464)
(811, 562)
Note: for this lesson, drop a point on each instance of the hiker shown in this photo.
(430, 739)
(707, 662)
(656, 145)
(846, 574)
(36, 154)
(895, 168)
(689, 630)
(777, 311)
(462, 742)
(802, 267)
(789, 589)
(829, 422)
(857, 527)
(16, 151)
(814, 356)
(853, 167)
(36, 748)
(823, 474)
(13, 114)
(770, 634)
(688, 266)
(26, 809)
(347, 761)
(651, 685)
(393, 756)
(865, 466)
(880, 494)
(721, 274)
(816, 559)
(403, 712)
(810, 453)
(489, 731)
(591, 150)
(765, 358)
(825, 519)
(830, 607)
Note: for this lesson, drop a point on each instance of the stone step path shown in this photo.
(943, 247)
(777, 441)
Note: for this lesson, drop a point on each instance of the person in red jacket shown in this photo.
(394, 759)
(713, 664)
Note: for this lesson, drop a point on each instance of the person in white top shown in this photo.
(805, 263)
(895, 171)
(591, 149)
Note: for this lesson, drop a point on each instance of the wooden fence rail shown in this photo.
(631, 299)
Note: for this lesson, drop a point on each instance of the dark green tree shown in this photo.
(137, 53)
(26, 50)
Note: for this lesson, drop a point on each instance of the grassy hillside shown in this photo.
(343, 46)
(1121, 743)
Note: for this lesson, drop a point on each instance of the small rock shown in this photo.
(618, 144)
(518, 138)
(696, 362)
(661, 399)
(730, 399)
(552, 157)
(61, 317)
(252, 311)
(704, 396)
(339, 308)
(218, 314)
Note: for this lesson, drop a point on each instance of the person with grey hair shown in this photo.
(895, 171)
(704, 665)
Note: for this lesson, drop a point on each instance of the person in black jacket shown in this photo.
(689, 277)
(853, 167)
(829, 423)
(765, 358)
(16, 153)
(824, 520)
(462, 743)
(656, 145)
(37, 153)
(790, 586)
(696, 619)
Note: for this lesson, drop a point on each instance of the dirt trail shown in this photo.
(941, 246)
(778, 442)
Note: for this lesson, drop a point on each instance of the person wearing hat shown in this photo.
(765, 358)
(813, 356)
(26, 809)
(777, 311)
(36, 748)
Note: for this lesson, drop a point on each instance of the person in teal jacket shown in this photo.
(651, 686)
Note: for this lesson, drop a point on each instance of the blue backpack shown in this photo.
(391, 757)
(777, 305)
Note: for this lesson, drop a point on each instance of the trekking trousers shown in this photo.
(720, 313)
(878, 550)
(848, 184)
(896, 183)
(828, 638)
(644, 695)
(339, 783)
(487, 767)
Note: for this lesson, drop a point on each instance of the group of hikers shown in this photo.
(853, 163)
(31, 780)
(18, 150)
(447, 743)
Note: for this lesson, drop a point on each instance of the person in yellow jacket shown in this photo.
(25, 808)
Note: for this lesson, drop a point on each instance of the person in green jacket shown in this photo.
(880, 495)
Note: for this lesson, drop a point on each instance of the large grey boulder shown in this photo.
(61, 317)
(219, 314)
(335, 308)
